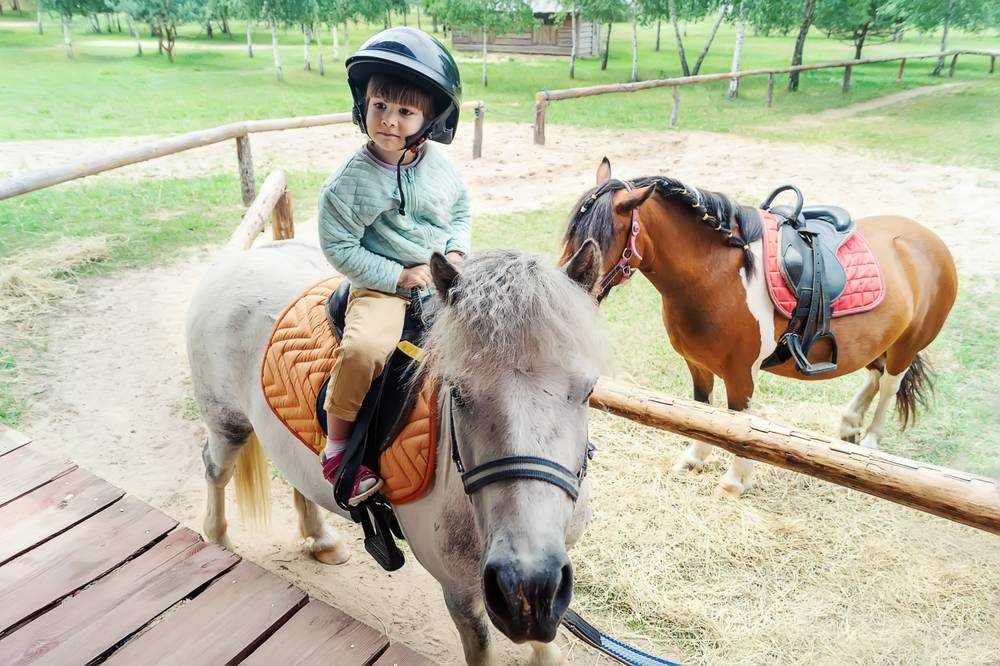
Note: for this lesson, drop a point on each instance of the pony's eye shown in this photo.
(586, 398)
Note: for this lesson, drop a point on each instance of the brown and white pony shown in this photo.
(703, 253)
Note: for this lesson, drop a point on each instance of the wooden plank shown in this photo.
(77, 557)
(11, 439)
(44, 513)
(320, 635)
(24, 469)
(84, 627)
(400, 655)
(222, 625)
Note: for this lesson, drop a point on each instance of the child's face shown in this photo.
(389, 124)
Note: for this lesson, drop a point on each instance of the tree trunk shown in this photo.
(800, 43)
(250, 37)
(387, 21)
(607, 47)
(208, 29)
(171, 32)
(573, 50)
(335, 34)
(635, 41)
(347, 41)
(672, 8)
(658, 23)
(95, 23)
(133, 31)
(159, 37)
(484, 58)
(944, 39)
(711, 38)
(741, 28)
(67, 37)
(274, 50)
(225, 25)
(107, 22)
(319, 47)
(41, 30)
(306, 38)
(434, 23)
(419, 27)
(859, 42)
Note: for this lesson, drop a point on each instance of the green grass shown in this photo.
(11, 406)
(959, 430)
(147, 222)
(109, 91)
(957, 126)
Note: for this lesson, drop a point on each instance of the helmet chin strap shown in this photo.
(412, 144)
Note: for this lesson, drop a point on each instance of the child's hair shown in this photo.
(400, 92)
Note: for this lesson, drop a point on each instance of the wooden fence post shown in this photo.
(993, 64)
(477, 141)
(954, 61)
(246, 168)
(675, 107)
(770, 90)
(847, 80)
(540, 103)
(902, 65)
(282, 227)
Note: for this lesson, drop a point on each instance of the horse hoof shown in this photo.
(684, 465)
(727, 491)
(870, 442)
(335, 554)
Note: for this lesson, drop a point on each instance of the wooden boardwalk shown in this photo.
(90, 575)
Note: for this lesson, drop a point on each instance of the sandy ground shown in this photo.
(119, 403)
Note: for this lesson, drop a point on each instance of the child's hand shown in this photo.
(455, 257)
(415, 276)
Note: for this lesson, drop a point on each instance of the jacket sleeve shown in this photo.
(461, 224)
(340, 230)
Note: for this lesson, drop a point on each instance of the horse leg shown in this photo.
(327, 546)
(225, 439)
(693, 459)
(469, 614)
(547, 654)
(739, 475)
(888, 384)
(854, 412)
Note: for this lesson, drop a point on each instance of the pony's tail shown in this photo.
(916, 388)
(253, 493)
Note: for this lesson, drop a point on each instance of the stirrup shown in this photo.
(802, 363)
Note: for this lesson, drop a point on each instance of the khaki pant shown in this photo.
(372, 330)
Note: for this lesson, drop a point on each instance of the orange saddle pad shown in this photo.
(298, 361)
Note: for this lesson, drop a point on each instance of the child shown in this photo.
(386, 210)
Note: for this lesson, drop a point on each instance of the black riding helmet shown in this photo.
(413, 56)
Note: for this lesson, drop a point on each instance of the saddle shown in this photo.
(395, 433)
(808, 244)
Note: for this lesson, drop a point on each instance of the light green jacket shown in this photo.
(360, 228)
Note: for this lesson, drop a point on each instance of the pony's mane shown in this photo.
(512, 312)
(593, 214)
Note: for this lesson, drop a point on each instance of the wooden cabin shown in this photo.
(545, 39)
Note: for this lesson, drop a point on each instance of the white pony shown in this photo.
(517, 347)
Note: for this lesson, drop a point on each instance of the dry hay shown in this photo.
(797, 571)
(31, 281)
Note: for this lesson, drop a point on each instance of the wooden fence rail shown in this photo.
(964, 498)
(544, 97)
(240, 131)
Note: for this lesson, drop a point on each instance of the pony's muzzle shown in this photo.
(526, 600)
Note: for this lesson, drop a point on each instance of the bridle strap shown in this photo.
(516, 467)
(624, 266)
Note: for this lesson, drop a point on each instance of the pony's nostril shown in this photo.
(492, 594)
(565, 590)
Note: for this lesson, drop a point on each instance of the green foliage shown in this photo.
(860, 21)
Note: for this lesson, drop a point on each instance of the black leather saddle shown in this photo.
(389, 399)
(808, 240)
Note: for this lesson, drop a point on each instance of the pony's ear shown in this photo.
(629, 200)
(604, 172)
(444, 275)
(585, 266)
